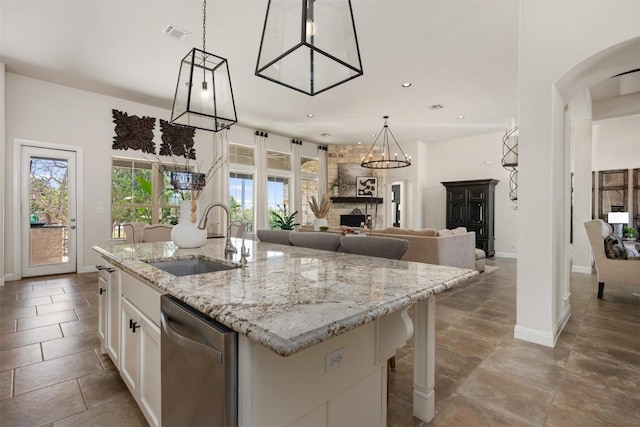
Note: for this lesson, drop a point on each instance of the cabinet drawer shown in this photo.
(143, 296)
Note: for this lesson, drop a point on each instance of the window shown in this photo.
(241, 155)
(612, 192)
(279, 161)
(241, 198)
(141, 192)
(278, 194)
(308, 166)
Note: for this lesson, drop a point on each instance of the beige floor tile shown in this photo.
(101, 387)
(400, 414)
(122, 411)
(46, 319)
(16, 313)
(453, 364)
(465, 342)
(69, 345)
(520, 362)
(43, 406)
(43, 374)
(490, 331)
(61, 306)
(6, 384)
(598, 402)
(20, 356)
(30, 336)
(26, 294)
(26, 302)
(507, 395)
(76, 327)
(458, 411)
(559, 417)
(7, 326)
(86, 312)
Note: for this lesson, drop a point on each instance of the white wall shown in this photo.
(475, 157)
(616, 143)
(44, 112)
(3, 173)
(555, 37)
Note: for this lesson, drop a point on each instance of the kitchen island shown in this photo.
(315, 327)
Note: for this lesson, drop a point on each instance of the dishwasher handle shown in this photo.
(188, 343)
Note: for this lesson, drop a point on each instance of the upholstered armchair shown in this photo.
(138, 232)
(613, 271)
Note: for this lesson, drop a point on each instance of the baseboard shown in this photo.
(87, 269)
(9, 278)
(547, 339)
(512, 255)
(580, 269)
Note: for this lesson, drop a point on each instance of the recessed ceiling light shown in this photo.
(436, 107)
(310, 115)
(373, 135)
(325, 134)
(406, 84)
(460, 117)
(359, 142)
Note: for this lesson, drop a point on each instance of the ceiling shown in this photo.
(462, 55)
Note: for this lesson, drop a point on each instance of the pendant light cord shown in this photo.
(204, 26)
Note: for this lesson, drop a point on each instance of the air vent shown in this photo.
(177, 32)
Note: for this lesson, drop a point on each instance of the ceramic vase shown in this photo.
(319, 222)
(186, 233)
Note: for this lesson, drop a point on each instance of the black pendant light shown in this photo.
(204, 97)
(309, 45)
(385, 155)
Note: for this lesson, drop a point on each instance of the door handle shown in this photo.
(188, 343)
(72, 227)
(103, 291)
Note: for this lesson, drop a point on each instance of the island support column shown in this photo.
(424, 360)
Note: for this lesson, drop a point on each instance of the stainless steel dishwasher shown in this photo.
(199, 368)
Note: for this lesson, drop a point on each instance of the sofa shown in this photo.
(139, 232)
(454, 248)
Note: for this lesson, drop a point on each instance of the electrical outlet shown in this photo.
(334, 360)
(99, 210)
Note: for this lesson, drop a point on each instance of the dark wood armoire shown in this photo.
(470, 204)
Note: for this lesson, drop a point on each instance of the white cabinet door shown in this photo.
(129, 346)
(149, 381)
(102, 309)
(113, 316)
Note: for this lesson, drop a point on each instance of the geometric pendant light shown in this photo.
(204, 97)
(309, 45)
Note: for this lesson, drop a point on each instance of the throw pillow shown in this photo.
(398, 230)
(445, 232)
(427, 232)
(459, 230)
(614, 247)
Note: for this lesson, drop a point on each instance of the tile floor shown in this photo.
(51, 372)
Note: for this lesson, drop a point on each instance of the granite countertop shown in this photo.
(289, 298)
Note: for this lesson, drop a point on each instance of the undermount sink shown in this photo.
(191, 266)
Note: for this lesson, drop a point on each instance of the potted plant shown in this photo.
(281, 220)
(320, 210)
(630, 232)
(335, 188)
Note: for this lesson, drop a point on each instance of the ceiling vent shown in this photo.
(177, 32)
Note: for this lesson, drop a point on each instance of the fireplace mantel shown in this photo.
(356, 199)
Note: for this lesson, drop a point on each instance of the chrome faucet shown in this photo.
(244, 251)
(229, 249)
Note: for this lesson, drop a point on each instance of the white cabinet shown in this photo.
(109, 311)
(140, 345)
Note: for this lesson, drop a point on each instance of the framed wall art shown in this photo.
(366, 186)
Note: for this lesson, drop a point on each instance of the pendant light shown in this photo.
(510, 157)
(309, 45)
(381, 157)
(204, 97)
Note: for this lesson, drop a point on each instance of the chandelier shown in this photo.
(309, 45)
(380, 157)
(204, 97)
